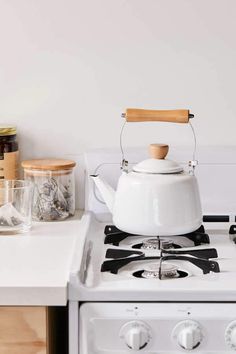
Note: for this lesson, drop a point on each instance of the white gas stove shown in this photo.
(154, 295)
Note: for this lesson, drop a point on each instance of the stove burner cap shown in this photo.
(180, 274)
(156, 244)
(167, 271)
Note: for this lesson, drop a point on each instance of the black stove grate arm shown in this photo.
(114, 265)
(198, 238)
(111, 229)
(115, 238)
(120, 253)
(200, 253)
(204, 264)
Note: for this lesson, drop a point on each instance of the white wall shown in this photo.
(68, 68)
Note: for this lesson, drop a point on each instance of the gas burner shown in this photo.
(167, 271)
(156, 270)
(155, 244)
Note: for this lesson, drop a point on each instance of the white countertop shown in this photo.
(35, 267)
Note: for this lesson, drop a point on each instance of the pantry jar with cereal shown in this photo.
(53, 188)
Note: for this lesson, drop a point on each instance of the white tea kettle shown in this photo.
(157, 197)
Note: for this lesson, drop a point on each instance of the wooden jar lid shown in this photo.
(158, 151)
(48, 164)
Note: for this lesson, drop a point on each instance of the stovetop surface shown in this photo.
(94, 284)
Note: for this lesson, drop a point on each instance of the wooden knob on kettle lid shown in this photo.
(158, 151)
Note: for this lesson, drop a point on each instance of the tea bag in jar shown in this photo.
(53, 188)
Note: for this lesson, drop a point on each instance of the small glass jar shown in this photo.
(53, 188)
(9, 153)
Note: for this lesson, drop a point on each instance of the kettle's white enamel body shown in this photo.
(157, 204)
(157, 198)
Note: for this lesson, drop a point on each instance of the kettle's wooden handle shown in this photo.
(158, 151)
(145, 115)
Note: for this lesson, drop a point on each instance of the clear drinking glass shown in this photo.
(15, 206)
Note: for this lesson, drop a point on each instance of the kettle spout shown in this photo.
(107, 192)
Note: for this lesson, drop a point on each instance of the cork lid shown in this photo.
(48, 164)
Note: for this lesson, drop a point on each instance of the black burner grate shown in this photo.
(114, 236)
(200, 258)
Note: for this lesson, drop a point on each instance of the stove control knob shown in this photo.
(188, 334)
(136, 334)
(230, 335)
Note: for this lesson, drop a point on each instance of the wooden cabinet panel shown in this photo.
(24, 330)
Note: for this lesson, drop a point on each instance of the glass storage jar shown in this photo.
(9, 153)
(53, 188)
